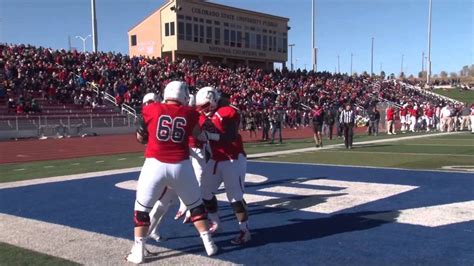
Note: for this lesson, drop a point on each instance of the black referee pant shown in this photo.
(348, 135)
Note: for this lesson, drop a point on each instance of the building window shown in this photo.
(195, 19)
(217, 23)
(208, 21)
(226, 24)
(259, 42)
(180, 17)
(133, 40)
(180, 30)
(189, 18)
(265, 47)
(167, 29)
(247, 40)
(285, 45)
(172, 28)
(274, 43)
(196, 33)
(189, 32)
(201, 33)
(239, 39)
(217, 36)
(226, 37)
(253, 41)
(208, 34)
(232, 38)
(201, 20)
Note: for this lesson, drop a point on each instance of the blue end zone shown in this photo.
(280, 236)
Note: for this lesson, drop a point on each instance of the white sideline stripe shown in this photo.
(19, 169)
(99, 161)
(276, 153)
(369, 167)
(405, 153)
(448, 145)
(67, 178)
(432, 216)
(84, 247)
(121, 159)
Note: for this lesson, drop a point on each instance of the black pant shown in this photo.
(274, 130)
(348, 134)
(265, 131)
(330, 128)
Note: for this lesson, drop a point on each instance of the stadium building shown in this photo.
(210, 32)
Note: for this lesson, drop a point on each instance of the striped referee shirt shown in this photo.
(347, 117)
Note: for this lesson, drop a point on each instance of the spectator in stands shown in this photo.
(11, 105)
(472, 118)
(445, 115)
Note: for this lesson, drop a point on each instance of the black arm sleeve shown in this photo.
(231, 132)
(142, 130)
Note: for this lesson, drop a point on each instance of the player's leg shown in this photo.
(185, 184)
(165, 201)
(211, 180)
(234, 182)
(150, 187)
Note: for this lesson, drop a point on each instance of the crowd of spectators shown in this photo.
(62, 76)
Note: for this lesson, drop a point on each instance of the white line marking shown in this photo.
(75, 163)
(403, 153)
(432, 216)
(68, 243)
(19, 169)
(276, 153)
(121, 159)
(99, 161)
(49, 166)
(448, 145)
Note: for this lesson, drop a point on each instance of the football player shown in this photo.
(166, 127)
(228, 161)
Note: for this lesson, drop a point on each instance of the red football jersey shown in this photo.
(225, 150)
(193, 142)
(169, 127)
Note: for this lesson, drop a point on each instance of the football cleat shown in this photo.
(137, 257)
(242, 238)
(158, 238)
(209, 245)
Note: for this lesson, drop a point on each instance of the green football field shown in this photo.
(430, 152)
(460, 95)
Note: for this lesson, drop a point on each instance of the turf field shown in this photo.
(40, 169)
(446, 152)
(460, 95)
(440, 152)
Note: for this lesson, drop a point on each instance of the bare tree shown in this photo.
(443, 74)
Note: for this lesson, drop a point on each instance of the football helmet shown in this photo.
(207, 99)
(149, 98)
(176, 91)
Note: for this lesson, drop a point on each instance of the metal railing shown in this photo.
(428, 92)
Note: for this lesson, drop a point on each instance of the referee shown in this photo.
(347, 120)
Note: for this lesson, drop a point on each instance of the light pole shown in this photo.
(428, 76)
(314, 50)
(83, 39)
(338, 66)
(352, 55)
(296, 63)
(401, 67)
(94, 27)
(291, 55)
(372, 58)
(381, 67)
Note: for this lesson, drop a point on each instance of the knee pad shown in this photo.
(211, 205)
(141, 219)
(198, 213)
(239, 206)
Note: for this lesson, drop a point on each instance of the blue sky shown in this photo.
(342, 27)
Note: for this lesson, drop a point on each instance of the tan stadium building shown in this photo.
(210, 32)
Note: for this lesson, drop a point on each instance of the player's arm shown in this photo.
(142, 131)
(231, 132)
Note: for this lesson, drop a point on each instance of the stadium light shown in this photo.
(428, 76)
(83, 39)
(372, 58)
(291, 55)
(314, 50)
(94, 27)
(401, 67)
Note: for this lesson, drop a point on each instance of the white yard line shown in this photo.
(405, 153)
(69, 243)
(276, 153)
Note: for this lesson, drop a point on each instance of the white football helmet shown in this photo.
(149, 98)
(207, 98)
(176, 91)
